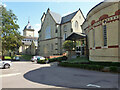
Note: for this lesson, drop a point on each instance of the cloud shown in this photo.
(37, 28)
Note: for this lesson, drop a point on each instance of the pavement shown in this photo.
(26, 74)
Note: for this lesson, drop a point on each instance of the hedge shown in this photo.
(105, 63)
(83, 66)
(59, 59)
(90, 66)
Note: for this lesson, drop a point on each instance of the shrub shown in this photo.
(83, 66)
(113, 68)
(64, 58)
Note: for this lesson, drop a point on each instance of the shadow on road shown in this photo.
(53, 75)
(70, 77)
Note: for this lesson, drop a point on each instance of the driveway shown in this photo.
(31, 75)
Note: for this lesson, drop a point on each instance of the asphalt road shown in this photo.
(31, 75)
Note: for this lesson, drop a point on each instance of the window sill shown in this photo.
(105, 47)
(93, 48)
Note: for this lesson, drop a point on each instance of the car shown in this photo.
(5, 64)
(35, 58)
(41, 60)
(16, 58)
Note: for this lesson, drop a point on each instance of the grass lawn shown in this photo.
(26, 57)
(78, 60)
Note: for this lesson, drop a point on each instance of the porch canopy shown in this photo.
(75, 36)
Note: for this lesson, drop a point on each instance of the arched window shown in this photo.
(105, 33)
(48, 32)
(76, 24)
(93, 38)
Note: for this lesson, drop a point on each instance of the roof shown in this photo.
(56, 17)
(28, 26)
(68, 17)
(75, 36)
(94, 7)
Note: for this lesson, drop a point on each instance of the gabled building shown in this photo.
(55, 29)
(29, 42)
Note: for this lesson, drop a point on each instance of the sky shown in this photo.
(34, 11)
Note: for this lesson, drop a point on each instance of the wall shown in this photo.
(49, 46)
(29, 33)
(95, 21)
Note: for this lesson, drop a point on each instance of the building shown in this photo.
(29, 42)
(55, 29)
(103, 33)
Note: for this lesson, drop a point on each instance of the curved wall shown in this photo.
(104, 14)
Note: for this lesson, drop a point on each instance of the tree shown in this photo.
(68, 46)
(11, 38)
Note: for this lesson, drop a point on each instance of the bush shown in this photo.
(64, 58)
(83, 66)
(58, 59)
(105, 63)
(113, 68)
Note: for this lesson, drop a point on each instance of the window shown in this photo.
(71, 30)
(48, 32)
(56, 43)
(93, 38)
(56, 31)
(76, 24)
(51, 46)
(65, 28)
(105, 35)
(65, 36)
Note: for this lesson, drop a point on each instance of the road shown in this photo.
(24, 74)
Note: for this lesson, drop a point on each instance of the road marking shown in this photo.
(7, 75)
(93, 85)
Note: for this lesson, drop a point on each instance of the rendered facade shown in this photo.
(55, 29)
(102, 27)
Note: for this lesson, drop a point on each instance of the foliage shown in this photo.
(113, 69)
(26, 57)
(84, 63)
(58, 59)
(105, 63)
(11, 38)
(68, 45)
(78, 60)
